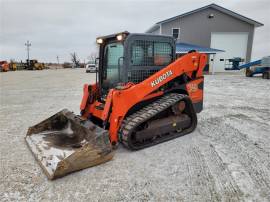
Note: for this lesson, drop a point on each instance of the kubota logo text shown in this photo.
(161, 78)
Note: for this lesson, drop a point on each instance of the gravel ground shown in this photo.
(227, 158)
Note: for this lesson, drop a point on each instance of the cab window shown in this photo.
(149, 53)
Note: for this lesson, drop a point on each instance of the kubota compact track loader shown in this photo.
(143, 96)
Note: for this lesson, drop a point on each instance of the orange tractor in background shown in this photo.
(142, 96)
(4, 65)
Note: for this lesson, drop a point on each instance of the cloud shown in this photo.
(58, 27)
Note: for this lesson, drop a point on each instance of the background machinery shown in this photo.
(12, 66)
(233, 63)
(258, 67)
(142, 96)
(261, 66)
(4, 66)
(34, 65)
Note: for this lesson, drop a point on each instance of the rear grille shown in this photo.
(137, 76)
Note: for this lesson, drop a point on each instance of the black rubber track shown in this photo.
(131, 122)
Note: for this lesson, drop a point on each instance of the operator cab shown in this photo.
(126, 57)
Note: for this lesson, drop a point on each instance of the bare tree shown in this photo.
(92, 56)
(75, 60)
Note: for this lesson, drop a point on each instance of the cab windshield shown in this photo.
(113, 54)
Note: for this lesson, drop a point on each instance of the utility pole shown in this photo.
(27, 44)
(57, 57)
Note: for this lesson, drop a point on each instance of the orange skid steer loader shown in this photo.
(143, 96)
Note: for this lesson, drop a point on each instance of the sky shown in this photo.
(60, 27)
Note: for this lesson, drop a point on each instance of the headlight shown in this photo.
(99, 41)
(119, 37)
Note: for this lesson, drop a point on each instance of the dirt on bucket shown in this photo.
(65, 143)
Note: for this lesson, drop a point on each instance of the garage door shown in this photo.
(233, 43)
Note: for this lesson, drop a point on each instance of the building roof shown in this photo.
(186, 47)
(215, 6)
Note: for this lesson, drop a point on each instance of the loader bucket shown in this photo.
(65, 143)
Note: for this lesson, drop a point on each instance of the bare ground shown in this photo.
(227, 158)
